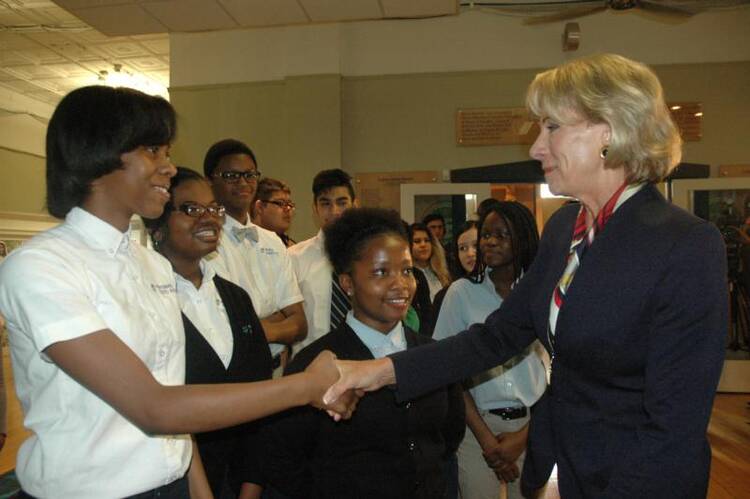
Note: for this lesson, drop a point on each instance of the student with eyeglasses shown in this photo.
(251, 256)
(94, 323)
(224, 340)
(273, 208)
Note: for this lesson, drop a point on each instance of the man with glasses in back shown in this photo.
(251, 256)
(273, 208)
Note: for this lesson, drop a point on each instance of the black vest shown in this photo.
(229, 454)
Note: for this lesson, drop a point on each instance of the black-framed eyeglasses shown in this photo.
(196, 210)
(284, 205)
(232, 177)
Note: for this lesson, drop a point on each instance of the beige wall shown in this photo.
(293, 127)
(407, 122)
(22, 187)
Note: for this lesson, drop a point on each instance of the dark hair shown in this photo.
(266, 187)
(346, 237)
(454, 263)
(431, 217)
(89, 131)
(524, 237)
(328, 179)
(485, 205)
(438, 262)
(183, 175)
(223, 148)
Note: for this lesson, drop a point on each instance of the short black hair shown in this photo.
(89, 131)
(346, 237)
(328, 179)
(524, 236)
(431, 217)
(183, 175)
(223, 148)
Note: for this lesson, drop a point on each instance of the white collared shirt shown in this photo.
(77, 278)
(314, 275)
(432, 281)
(206, 311)
(521, 380)
(261, 267)
(380, 345)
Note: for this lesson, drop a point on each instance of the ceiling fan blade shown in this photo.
(564, 15)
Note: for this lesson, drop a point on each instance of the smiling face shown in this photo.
(139, 187)
(421, 247)
(570, 155)
(235, 196)
(467, 249)
(381, 283)
(495, 241)
(186, 238)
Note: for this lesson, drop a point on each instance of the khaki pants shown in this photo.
(476, 480)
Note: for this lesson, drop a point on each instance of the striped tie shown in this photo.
(340, 304)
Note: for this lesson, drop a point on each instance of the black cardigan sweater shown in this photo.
(230, 456)
(386, 450)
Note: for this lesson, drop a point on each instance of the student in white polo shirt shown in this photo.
(94, 323)
(332, 195)
(250, 256)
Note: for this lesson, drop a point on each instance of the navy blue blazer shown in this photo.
(638, 353)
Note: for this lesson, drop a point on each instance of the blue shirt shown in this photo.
(521, 380)
(379, 344)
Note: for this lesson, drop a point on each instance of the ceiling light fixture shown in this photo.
(120, 77)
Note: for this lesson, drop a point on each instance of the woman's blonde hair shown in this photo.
(624, 94)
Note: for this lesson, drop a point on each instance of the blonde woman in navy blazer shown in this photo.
(637, 337)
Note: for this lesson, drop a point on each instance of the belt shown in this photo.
(508, 413)
(276, 361)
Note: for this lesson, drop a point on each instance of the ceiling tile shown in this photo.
(69, 70)
(159, 46)
(45, 96)
(146, 63)
(262, 13)
(342, 10)
(21, 86)
(123, 49)
(10, 58)
(31, 72)
(41, 56)
(118, 20)
(419, 8)
(11, 18)
(14, 41)
(190, 15)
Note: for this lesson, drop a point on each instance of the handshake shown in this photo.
(337, 385)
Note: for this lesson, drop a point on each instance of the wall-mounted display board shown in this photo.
(383, 189)
(734, 170)
(495, 126)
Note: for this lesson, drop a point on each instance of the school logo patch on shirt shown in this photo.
(164, 289)
(268, 251)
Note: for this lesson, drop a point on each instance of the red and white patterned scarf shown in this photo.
(583, 237)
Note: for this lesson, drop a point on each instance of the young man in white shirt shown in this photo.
(332, 195)
(250, 256)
